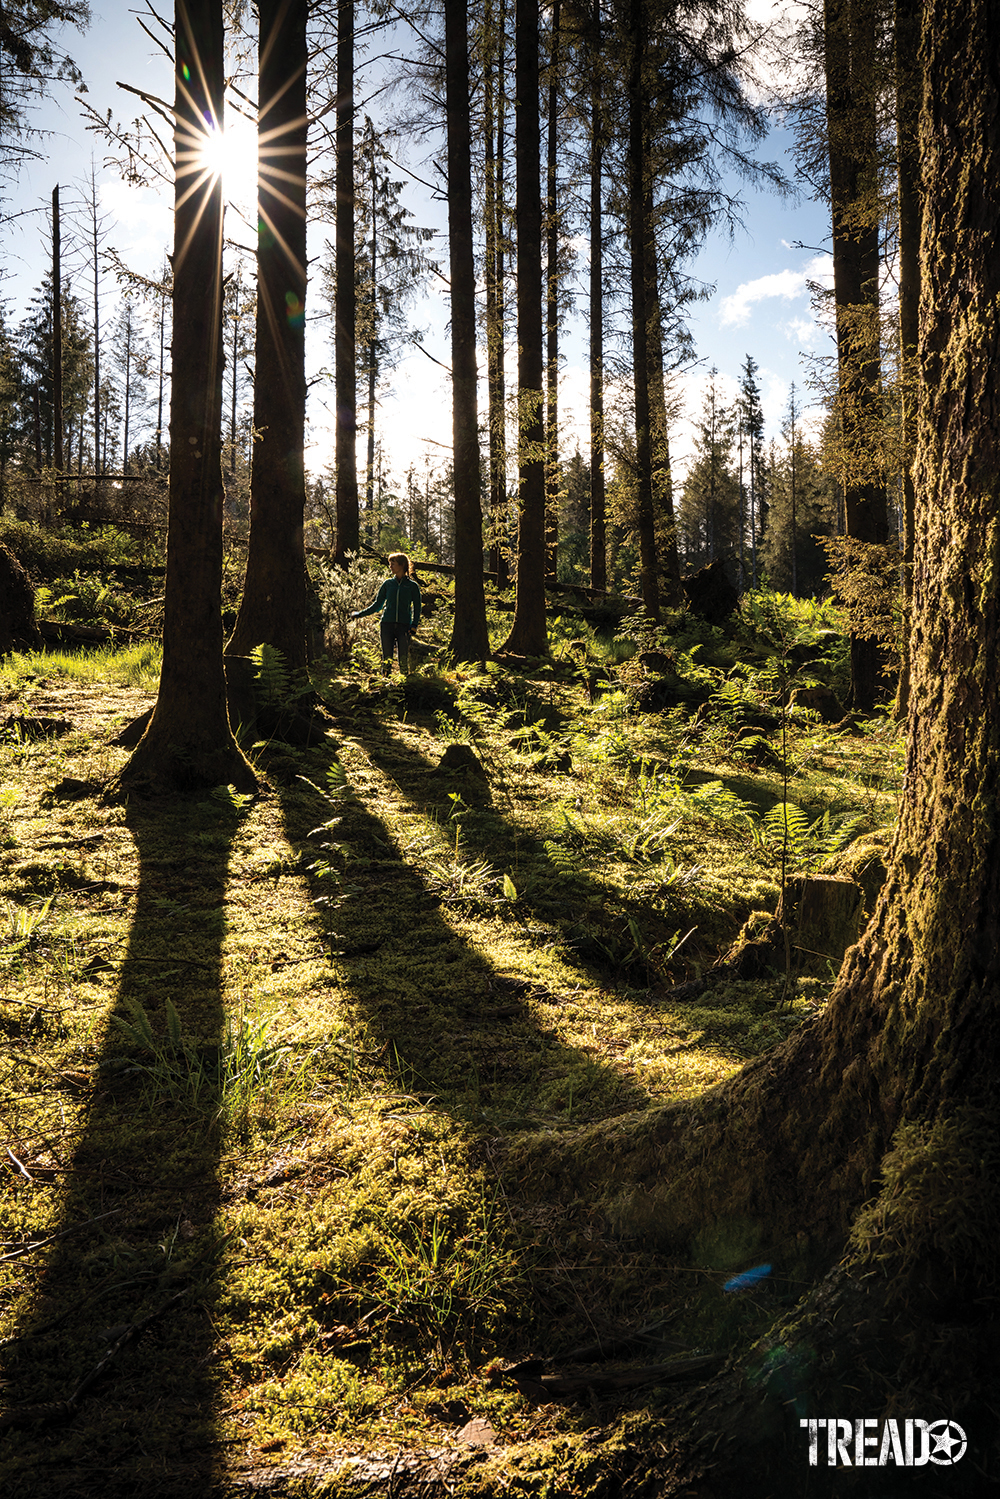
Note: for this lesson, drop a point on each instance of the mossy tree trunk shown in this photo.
(188, 742)
(897, 1084)
(273, 608)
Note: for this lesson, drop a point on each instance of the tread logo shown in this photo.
(871, 1443)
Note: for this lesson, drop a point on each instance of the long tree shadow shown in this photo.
(609, 939)
(130, 1276)
(448, 1023)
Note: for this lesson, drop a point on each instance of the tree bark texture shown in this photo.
(188, 742)
(345, 311)
(898, 1080)
(470, 639)
(273, 608)
(528, 635)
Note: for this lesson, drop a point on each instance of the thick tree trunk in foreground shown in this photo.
(470, 638)
(899, 1078)
(528, 636)
(273, 608)
(188, 741)
(345, 310)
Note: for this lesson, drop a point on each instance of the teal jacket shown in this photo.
(399, 601)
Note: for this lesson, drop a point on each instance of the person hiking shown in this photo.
(399, 600)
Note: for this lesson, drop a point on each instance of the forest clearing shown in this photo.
(290, 1071)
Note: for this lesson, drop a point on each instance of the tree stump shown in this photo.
(819, 700)
(460, 758)
(822, 915)
(710, 593)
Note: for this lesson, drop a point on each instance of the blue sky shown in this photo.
(760, 304)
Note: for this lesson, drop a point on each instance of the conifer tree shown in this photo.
(470, 639)
(273, 607)
(709, 510)
(188, 742)
(528, 635)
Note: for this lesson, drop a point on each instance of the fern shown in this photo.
(229, 797)
(567, 860)
(786, 826)
(272, 679)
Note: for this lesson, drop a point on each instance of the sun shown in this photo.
(232, 155)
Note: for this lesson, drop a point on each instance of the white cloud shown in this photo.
(734, 310)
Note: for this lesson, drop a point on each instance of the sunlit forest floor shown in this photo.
(273, 1071)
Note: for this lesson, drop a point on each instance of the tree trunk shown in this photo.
(849, 40)
(493, 106)
(898, 1077)
(167, 279)
(494, 103)
(638, 233)
(528, 635)
(907, 29)
(233, 382)
(95, 251)
(273, 608)
(188, 742)
(470, 639)
(57, 362)
(552, 473)
(598, 542)
(661, 481)
(345, 311)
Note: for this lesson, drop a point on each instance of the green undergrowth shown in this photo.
(267, 1065)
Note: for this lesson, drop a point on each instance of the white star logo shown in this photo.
(947, 1437)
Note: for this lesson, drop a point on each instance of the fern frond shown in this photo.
(272, 679)
(786, 822)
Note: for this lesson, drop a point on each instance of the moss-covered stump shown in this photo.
(817, 920)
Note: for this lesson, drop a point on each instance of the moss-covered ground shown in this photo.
(266, 1065)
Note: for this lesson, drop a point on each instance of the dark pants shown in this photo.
(399, 635)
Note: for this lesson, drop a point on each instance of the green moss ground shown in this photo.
(362, 994)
